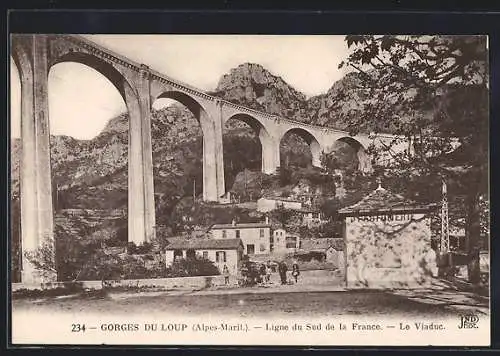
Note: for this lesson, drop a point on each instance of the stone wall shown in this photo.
(232, 261)
(313, 277)
(89, 222)
(177, 283)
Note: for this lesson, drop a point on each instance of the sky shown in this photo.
(81, 100)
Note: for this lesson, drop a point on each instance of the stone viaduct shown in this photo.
(139, 86)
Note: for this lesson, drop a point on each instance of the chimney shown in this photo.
(233, 222)
(267, 219)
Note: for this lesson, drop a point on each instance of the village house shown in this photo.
(222, 252)
(284, 241)
(311, 216)
(255, 236)
(229, 198)
(331, 248)
(266, 204)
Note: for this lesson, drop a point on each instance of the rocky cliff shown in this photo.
(252, 85)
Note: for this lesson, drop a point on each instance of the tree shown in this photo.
(285, 176)
(15, 234)
(329, 207)
(73, 259)
(43, 260)
(431, 91)
(283, 215)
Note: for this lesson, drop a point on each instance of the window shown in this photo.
(224, 234)
(205, 255)
(262, 247)
(190, 254)
(237, 234)
(220, 256)
(250, 249)
(178, 255)
(261, 233)
(290, 245)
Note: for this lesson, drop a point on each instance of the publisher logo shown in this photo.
(468, 321)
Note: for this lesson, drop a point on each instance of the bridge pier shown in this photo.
(211, 155)
(364, 159)
(141, 205)
(219, 149)
(37, 223)
(270, 153)
(316, 152)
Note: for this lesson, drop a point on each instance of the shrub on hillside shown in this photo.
(133, 249)
(115, 241)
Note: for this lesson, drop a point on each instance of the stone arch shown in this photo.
(364, 160)
(250, 120)
(268, 146)
(311, 140)
(141, 206)
(213, 178)
(22, 61)
(105, 68)
(188, 101)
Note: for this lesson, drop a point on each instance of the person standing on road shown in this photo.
(225, 273)
(282, 270)
(295, 271)
(268, 272)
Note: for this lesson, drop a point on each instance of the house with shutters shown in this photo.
(221, 252)
(254, 236)
(284, 241)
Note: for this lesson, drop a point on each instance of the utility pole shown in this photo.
(245, 178)
(194, 190)
(445, 233)
(57, 198)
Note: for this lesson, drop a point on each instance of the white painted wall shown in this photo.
(232, 260)
(385, 253)
(265, 205)
(248, 236)
(279, 241)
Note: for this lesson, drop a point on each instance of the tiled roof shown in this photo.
(239, 226)
(203, 244)
(383, 200)
(308, 210)
(322, 244)
(281, 199)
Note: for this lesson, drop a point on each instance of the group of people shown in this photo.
(283, 269)
(255, 273)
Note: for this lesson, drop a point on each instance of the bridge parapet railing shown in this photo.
(109, 54)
